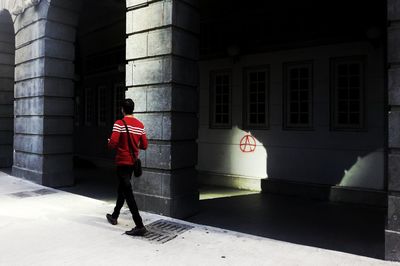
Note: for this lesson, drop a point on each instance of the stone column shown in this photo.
(162, 79)
(392, 232)
(44, 91)
(7, 50)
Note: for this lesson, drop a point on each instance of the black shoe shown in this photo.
(137, 231)
(111, 220)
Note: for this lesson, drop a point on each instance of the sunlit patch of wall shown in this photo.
(365, 172)
(7, 62)
(234, 154)
(319, 155)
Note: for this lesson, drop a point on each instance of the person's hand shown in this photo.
(108, 140)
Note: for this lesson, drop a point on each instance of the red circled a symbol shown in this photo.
(248, 144)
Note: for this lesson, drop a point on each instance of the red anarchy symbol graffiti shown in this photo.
(248, 143)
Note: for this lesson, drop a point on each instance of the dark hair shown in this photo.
(128, 106)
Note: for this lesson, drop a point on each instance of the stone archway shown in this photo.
(160, 67)
(44, 51)
(7, 61)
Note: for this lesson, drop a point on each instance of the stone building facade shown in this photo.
(64, 65)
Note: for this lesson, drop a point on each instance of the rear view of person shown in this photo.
(125, 161)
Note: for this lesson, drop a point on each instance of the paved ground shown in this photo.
(342, 227)
(60, 228)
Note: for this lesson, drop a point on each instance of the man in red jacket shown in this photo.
(124, 161)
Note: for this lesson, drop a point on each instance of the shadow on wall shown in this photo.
(288, 163)
(294, 163)
(7, 62)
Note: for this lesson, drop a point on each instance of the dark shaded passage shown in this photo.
(95, 182)
(347, 228)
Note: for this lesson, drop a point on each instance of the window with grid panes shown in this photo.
(347, 93)
(256, 98)
(298, 95)
(90, 106)
(102, 105)
(220, 113)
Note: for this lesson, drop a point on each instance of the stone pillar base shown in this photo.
(170, 193)
(55, 180)
(392, 245)
(180, 207)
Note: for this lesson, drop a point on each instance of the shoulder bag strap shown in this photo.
(131, 150)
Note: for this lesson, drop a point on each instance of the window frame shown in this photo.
(246, 104)
(286, 104)
(334, 125)
(212, 107)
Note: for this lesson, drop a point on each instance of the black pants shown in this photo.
(124, 173)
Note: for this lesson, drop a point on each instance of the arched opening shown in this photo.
(99, 87)
(7, 66)
(307, 81)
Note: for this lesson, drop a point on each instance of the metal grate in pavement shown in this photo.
(45, 191)
(34, 193)
(162, 231)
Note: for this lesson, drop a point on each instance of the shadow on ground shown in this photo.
(347, 228)
(96, 183)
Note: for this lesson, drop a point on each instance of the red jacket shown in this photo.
(119, 140)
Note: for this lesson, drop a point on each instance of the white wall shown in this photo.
(320, 155)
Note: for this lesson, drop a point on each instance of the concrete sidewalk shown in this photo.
(41, 226)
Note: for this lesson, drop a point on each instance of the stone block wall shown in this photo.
(44, 90)
(392, 232)
(162, 78)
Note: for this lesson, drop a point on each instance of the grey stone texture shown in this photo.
(44, 125)
(44, 86)
(170, 126)
(392, 234)
(162, 77)
(164, 41)
(43, 106)
(394, 86)
(393, 11)
(46, 47)
(179, 206)
(393, 43)
(55, 179)
(394, 172)
(163, 69)
(44, 67)
(44, 92)
(171, 155)
(394, 129)
(41, 144)
(166, 184)
(393, 213)
(43, 28)
(136, 3)
(155, 15)
(392, 245)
